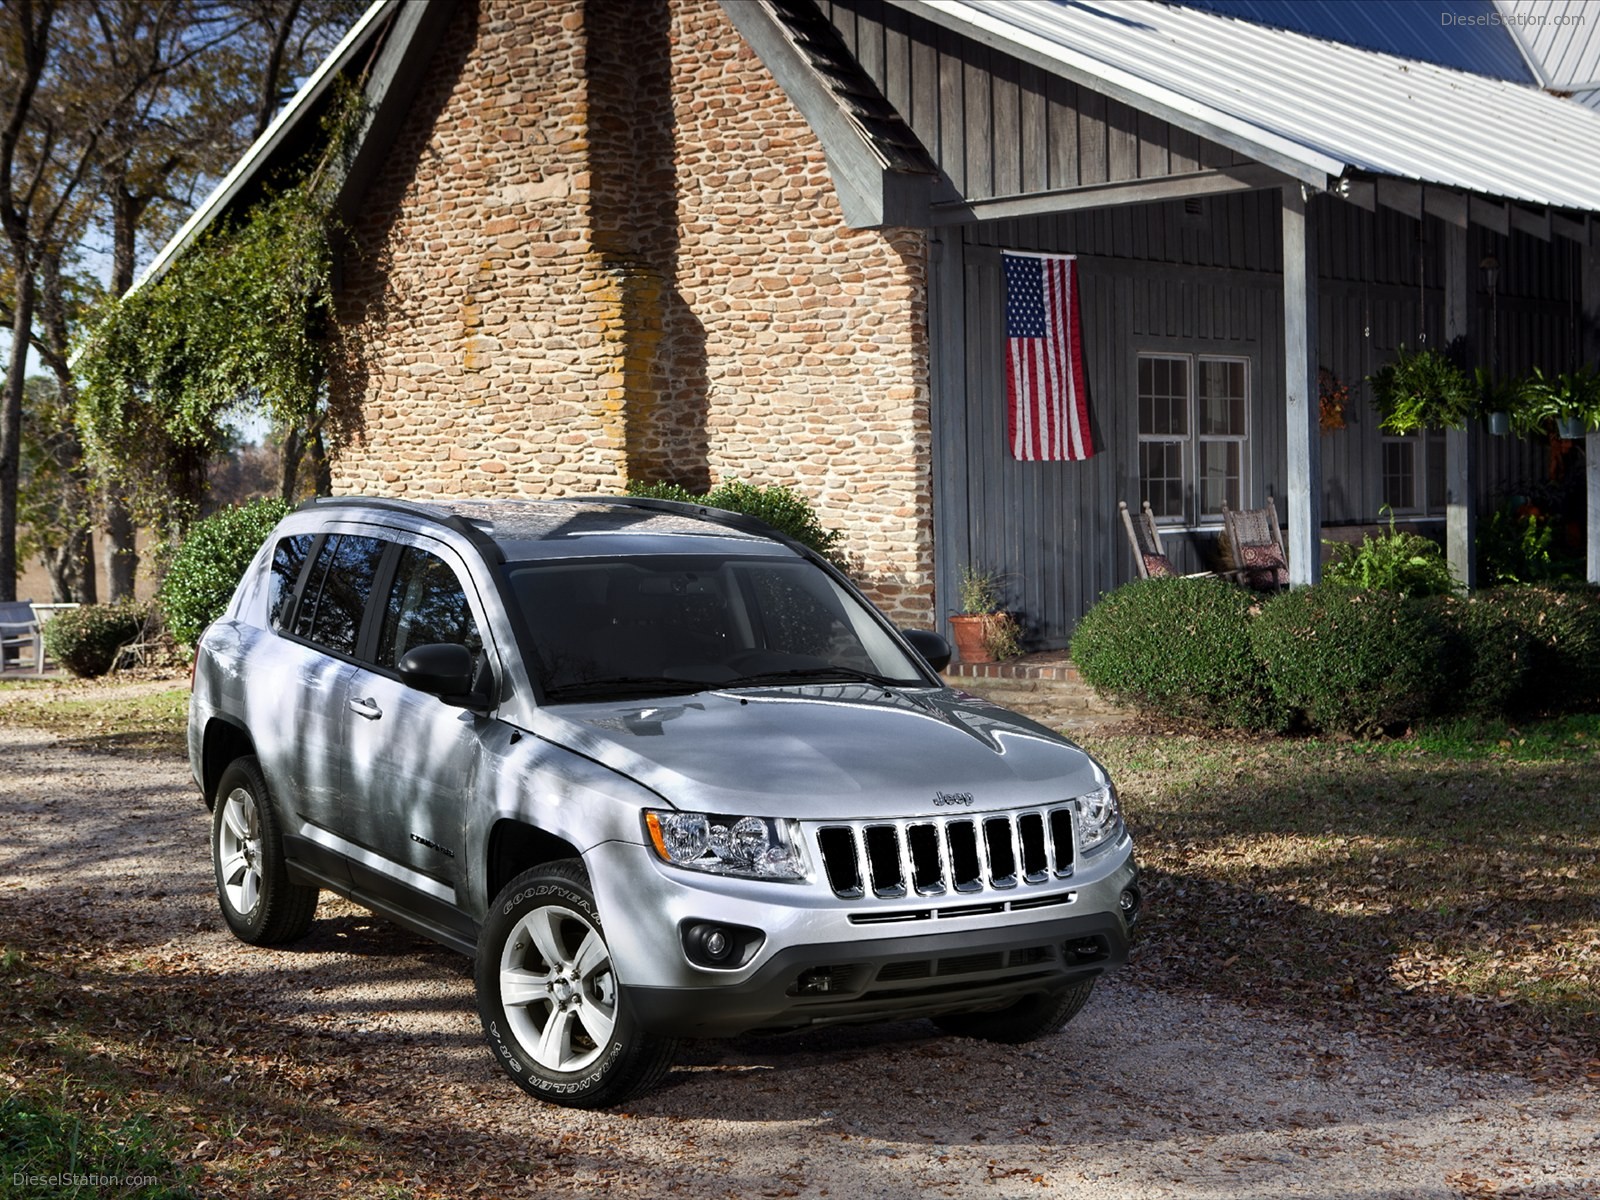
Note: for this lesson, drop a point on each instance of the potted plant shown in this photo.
(1499, 399)
(982, 631)
(1423, 389)
(1571, 400)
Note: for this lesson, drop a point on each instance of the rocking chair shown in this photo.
(1145, 538)
(1255, 546)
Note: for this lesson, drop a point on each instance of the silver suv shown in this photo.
(662, 771)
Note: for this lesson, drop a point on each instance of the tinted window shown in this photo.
(287, 561)
(336, 596)
(426, 604)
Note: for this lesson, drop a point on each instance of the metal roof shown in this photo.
(1561, 39)
(1312, 107)
(1463, 34)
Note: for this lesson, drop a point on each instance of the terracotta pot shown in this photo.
(966, 631)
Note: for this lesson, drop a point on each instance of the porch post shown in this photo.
(1591, 354)
(1460, 445)
(1300, 357)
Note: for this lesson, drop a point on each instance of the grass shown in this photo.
(1446, 886)
(99, 716)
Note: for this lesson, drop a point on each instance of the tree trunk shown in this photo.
(122, 558)
(289, 480)
(11, 428)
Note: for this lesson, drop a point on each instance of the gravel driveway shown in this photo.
(1146, 1094)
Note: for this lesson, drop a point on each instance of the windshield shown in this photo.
(675, 624)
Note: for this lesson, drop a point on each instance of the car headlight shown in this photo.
(1099, 818)
(749, 847)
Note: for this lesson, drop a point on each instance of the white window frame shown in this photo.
(1192, 439)
(1426, 477)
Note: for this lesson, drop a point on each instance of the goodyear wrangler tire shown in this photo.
(1028, 1019)
(556, 1018)
(259, 902)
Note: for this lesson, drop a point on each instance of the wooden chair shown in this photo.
(1255, 547)
(1144, 535)
(19, 627)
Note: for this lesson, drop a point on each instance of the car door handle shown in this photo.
(366, 708)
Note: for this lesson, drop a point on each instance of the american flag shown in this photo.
(1045, 385)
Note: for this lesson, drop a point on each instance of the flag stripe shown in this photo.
(1048, 417)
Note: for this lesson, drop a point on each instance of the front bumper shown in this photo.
(823, 961)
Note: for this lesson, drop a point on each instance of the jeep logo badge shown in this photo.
(952, 799)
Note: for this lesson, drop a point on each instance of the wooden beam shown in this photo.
(1360, 192)
(1536, 224)
(1490, 214)
(1460, 445)
(1449, 207)
(1574, 229)
(1250, 177)
(1402, 196)
(1300, 386)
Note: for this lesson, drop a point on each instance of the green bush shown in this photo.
(1563, 625)
(1488, 656)
(85, 640)
(209, 564)
(1351, 661)
(785, 510)
(1407, 564)
(1179, 648)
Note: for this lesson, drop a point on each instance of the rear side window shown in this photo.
(336, 594)
(287, 562)
(426, 604)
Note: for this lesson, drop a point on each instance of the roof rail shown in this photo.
(743, 522)
(433, 510)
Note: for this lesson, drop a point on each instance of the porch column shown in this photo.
(1300, 356)
(1591, 354)
(1460, 445)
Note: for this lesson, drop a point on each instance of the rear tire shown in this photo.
(1027, 1020)
(259, 902)
(557, 1019)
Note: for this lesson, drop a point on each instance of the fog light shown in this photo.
(1130, 902)
(710, 945)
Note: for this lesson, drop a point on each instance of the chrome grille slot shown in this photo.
(883, 860)
(927, 863)
(955, 856)
(1002, 852)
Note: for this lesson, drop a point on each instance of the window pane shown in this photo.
(1163, 396)
(1161, 477)
(1222, 397)
(1400, 475)
(340, 586)
(1220, 477)
(287, 561)
(427, 604)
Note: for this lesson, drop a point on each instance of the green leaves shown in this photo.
(1423, 389)
(209, 564)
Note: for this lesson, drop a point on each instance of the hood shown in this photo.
(832, 751)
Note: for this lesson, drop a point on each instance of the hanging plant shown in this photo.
(1423, 389)
(1571, 400)
(1333, 395)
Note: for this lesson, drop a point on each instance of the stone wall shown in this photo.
(606, 246)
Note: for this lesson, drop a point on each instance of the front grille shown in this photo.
(954, 856)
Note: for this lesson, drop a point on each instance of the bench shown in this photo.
(19, 627)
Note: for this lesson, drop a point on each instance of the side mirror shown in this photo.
(930, 645)
(442, 669)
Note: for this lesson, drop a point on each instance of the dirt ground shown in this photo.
(1146, 1094)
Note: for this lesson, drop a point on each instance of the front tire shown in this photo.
(558, 1021)
(259, 902)
(1027, 1020)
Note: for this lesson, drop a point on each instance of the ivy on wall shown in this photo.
(238, 326)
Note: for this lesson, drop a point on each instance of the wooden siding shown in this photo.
(1000, 127)
(1154, 279)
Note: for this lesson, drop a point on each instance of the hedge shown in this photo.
(85, 640)
(1180, 648)
(209, 564)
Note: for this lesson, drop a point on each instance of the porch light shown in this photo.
(1490, 266)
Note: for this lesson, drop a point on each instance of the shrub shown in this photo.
(1350, 661)
(784, 509)
(1407, 564)
(1179, 648)
(85, 640)
(1563, 625)
(208, 565)
(1488, 656)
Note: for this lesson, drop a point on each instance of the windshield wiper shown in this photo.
(827, 674)
(641, 686)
